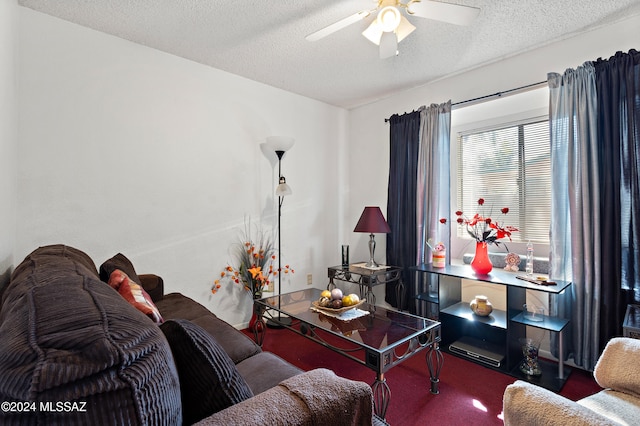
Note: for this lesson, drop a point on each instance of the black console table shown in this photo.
(499, 332)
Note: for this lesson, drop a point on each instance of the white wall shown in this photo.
(127, 149)
(369, 134)
(8, 135)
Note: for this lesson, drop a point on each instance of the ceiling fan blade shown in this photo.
(388, 45)
(337, 26)
(446, 12)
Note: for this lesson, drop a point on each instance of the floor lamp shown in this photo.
(280, 145)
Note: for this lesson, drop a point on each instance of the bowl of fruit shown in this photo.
(336, 301)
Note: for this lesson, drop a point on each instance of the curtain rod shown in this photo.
(495, 95)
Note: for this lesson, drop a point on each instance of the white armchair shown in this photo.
(617, 372)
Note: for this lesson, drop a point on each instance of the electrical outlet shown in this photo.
(309, 279)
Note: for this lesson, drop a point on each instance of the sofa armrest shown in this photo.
(314, 397)
(524, 403)
(152, 284)
(618, 367)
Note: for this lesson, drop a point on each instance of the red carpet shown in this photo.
(469, 393)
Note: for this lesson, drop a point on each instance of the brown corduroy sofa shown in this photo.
(73, 351)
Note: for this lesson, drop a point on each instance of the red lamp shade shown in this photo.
(372, 222)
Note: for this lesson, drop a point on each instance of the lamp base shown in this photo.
(372, 249)
(372, 264)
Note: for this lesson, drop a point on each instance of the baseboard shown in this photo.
(569, 363)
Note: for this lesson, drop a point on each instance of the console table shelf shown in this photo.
(497, 318)
(554, 324)
(500, 331)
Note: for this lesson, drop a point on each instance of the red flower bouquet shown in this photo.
(482, 227)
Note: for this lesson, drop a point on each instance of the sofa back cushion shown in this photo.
(121, 262)
(209, 379)
(66, 336)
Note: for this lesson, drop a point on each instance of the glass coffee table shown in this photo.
(379, 340)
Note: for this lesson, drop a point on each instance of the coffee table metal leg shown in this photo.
(381, 396)
(435, 359)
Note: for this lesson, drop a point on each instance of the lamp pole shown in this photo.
(281, 321)
(280, 201)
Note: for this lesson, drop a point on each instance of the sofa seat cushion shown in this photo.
(265, 370)
(620, 407)
(209, 381)
(67, 336)
(236, 344)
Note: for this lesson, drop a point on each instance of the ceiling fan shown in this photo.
(390, 27)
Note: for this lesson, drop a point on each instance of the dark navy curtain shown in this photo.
(618, 88)
(404, 135)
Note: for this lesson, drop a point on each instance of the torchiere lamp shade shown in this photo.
(372, 221)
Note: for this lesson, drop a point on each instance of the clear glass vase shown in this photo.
(530, 364)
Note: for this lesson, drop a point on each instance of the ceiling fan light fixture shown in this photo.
(375, 30)
(373, 33)
(404, 29)
(389, 18)
(388, 45)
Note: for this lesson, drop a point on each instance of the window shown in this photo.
(508, 166)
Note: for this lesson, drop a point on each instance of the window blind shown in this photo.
(508, 166)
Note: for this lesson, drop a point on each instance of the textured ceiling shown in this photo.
(265, 40)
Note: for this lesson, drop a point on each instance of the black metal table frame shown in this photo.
(367, 279)
(380, 361)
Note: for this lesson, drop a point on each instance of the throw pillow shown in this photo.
(209, 380)
(119, 261)
(134, 294)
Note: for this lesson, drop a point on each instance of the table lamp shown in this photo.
(373, 222)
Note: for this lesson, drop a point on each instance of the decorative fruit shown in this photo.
(326, 293)
(350, 299)
(336, 294)
(324, 302)
(336, 303)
